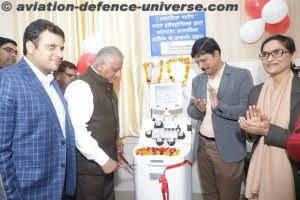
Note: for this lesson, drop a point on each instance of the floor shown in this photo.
(130, 196)
(120, 195)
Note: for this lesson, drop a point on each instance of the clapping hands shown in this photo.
(199, 103)
(255, 122)
(213, 98)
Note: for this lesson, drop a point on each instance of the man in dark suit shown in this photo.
(8, 55)
(37, 145)
(8, 52)
(66, 72)
(219, 97)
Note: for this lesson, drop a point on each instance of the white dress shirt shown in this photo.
(55, 99)
(81, 107)
(206, 128)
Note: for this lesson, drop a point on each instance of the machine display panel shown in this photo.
(165, 96)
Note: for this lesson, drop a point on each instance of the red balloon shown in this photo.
(85, 61)
(279, 27)
(254, 7)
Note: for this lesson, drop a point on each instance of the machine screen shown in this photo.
(165, 96)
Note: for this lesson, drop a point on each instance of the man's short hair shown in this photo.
(4, 40)
(34, 29)
(205, 45)
(108, 52)
(66, 64)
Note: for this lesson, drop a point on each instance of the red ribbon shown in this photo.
(125, 160)
(163, 180)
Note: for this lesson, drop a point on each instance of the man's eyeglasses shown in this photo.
(10, 50)
(276, 53)
(69, 75)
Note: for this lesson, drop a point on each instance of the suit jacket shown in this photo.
(278, 136)
(233, 94)
(36, 161)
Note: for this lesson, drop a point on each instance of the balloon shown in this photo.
(85, 61)
(254, 7)
(274, 11)
(278, 28)
(251, 31)
(92, 44)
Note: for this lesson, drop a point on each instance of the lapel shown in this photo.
(224, 81)
(202, 90)
(37, 88)
(295, 96)
(63, 100)
(60, 94)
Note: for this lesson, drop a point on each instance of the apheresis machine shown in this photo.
(164, 148)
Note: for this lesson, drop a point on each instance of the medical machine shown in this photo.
(165, 140)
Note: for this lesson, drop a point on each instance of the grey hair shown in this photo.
(107, 53)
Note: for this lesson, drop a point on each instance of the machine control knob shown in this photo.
(158, 124)
(181, 135)
(148, 133)
(159, 141)
(171, 142)
(189, 127)
(178, 129)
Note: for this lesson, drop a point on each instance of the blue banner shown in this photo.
(175, 34)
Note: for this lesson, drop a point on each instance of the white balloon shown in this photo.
(92, 44)
(252, 30)
(274, 11)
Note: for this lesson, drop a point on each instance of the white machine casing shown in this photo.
(164, 131)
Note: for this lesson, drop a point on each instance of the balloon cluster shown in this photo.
(85, 61)
(91, 46)
(269, 15)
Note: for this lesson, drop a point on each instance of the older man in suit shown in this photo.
(37, 145)
(219, 97)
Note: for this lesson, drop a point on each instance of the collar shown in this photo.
(98, 76)
(220, 72)
(45, 80)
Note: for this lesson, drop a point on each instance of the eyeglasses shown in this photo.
(69, 75)
(276, 53)
(10, 50)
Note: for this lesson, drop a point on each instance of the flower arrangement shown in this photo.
(186, 61)
(166, 151)
(146, 65)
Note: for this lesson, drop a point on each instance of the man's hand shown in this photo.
(109, 166)
(213, 98)
(120, 145)
(199, 103)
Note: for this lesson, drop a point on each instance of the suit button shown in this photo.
(63, 142)
(62, 165)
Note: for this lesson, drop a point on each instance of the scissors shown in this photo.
(126, 166)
